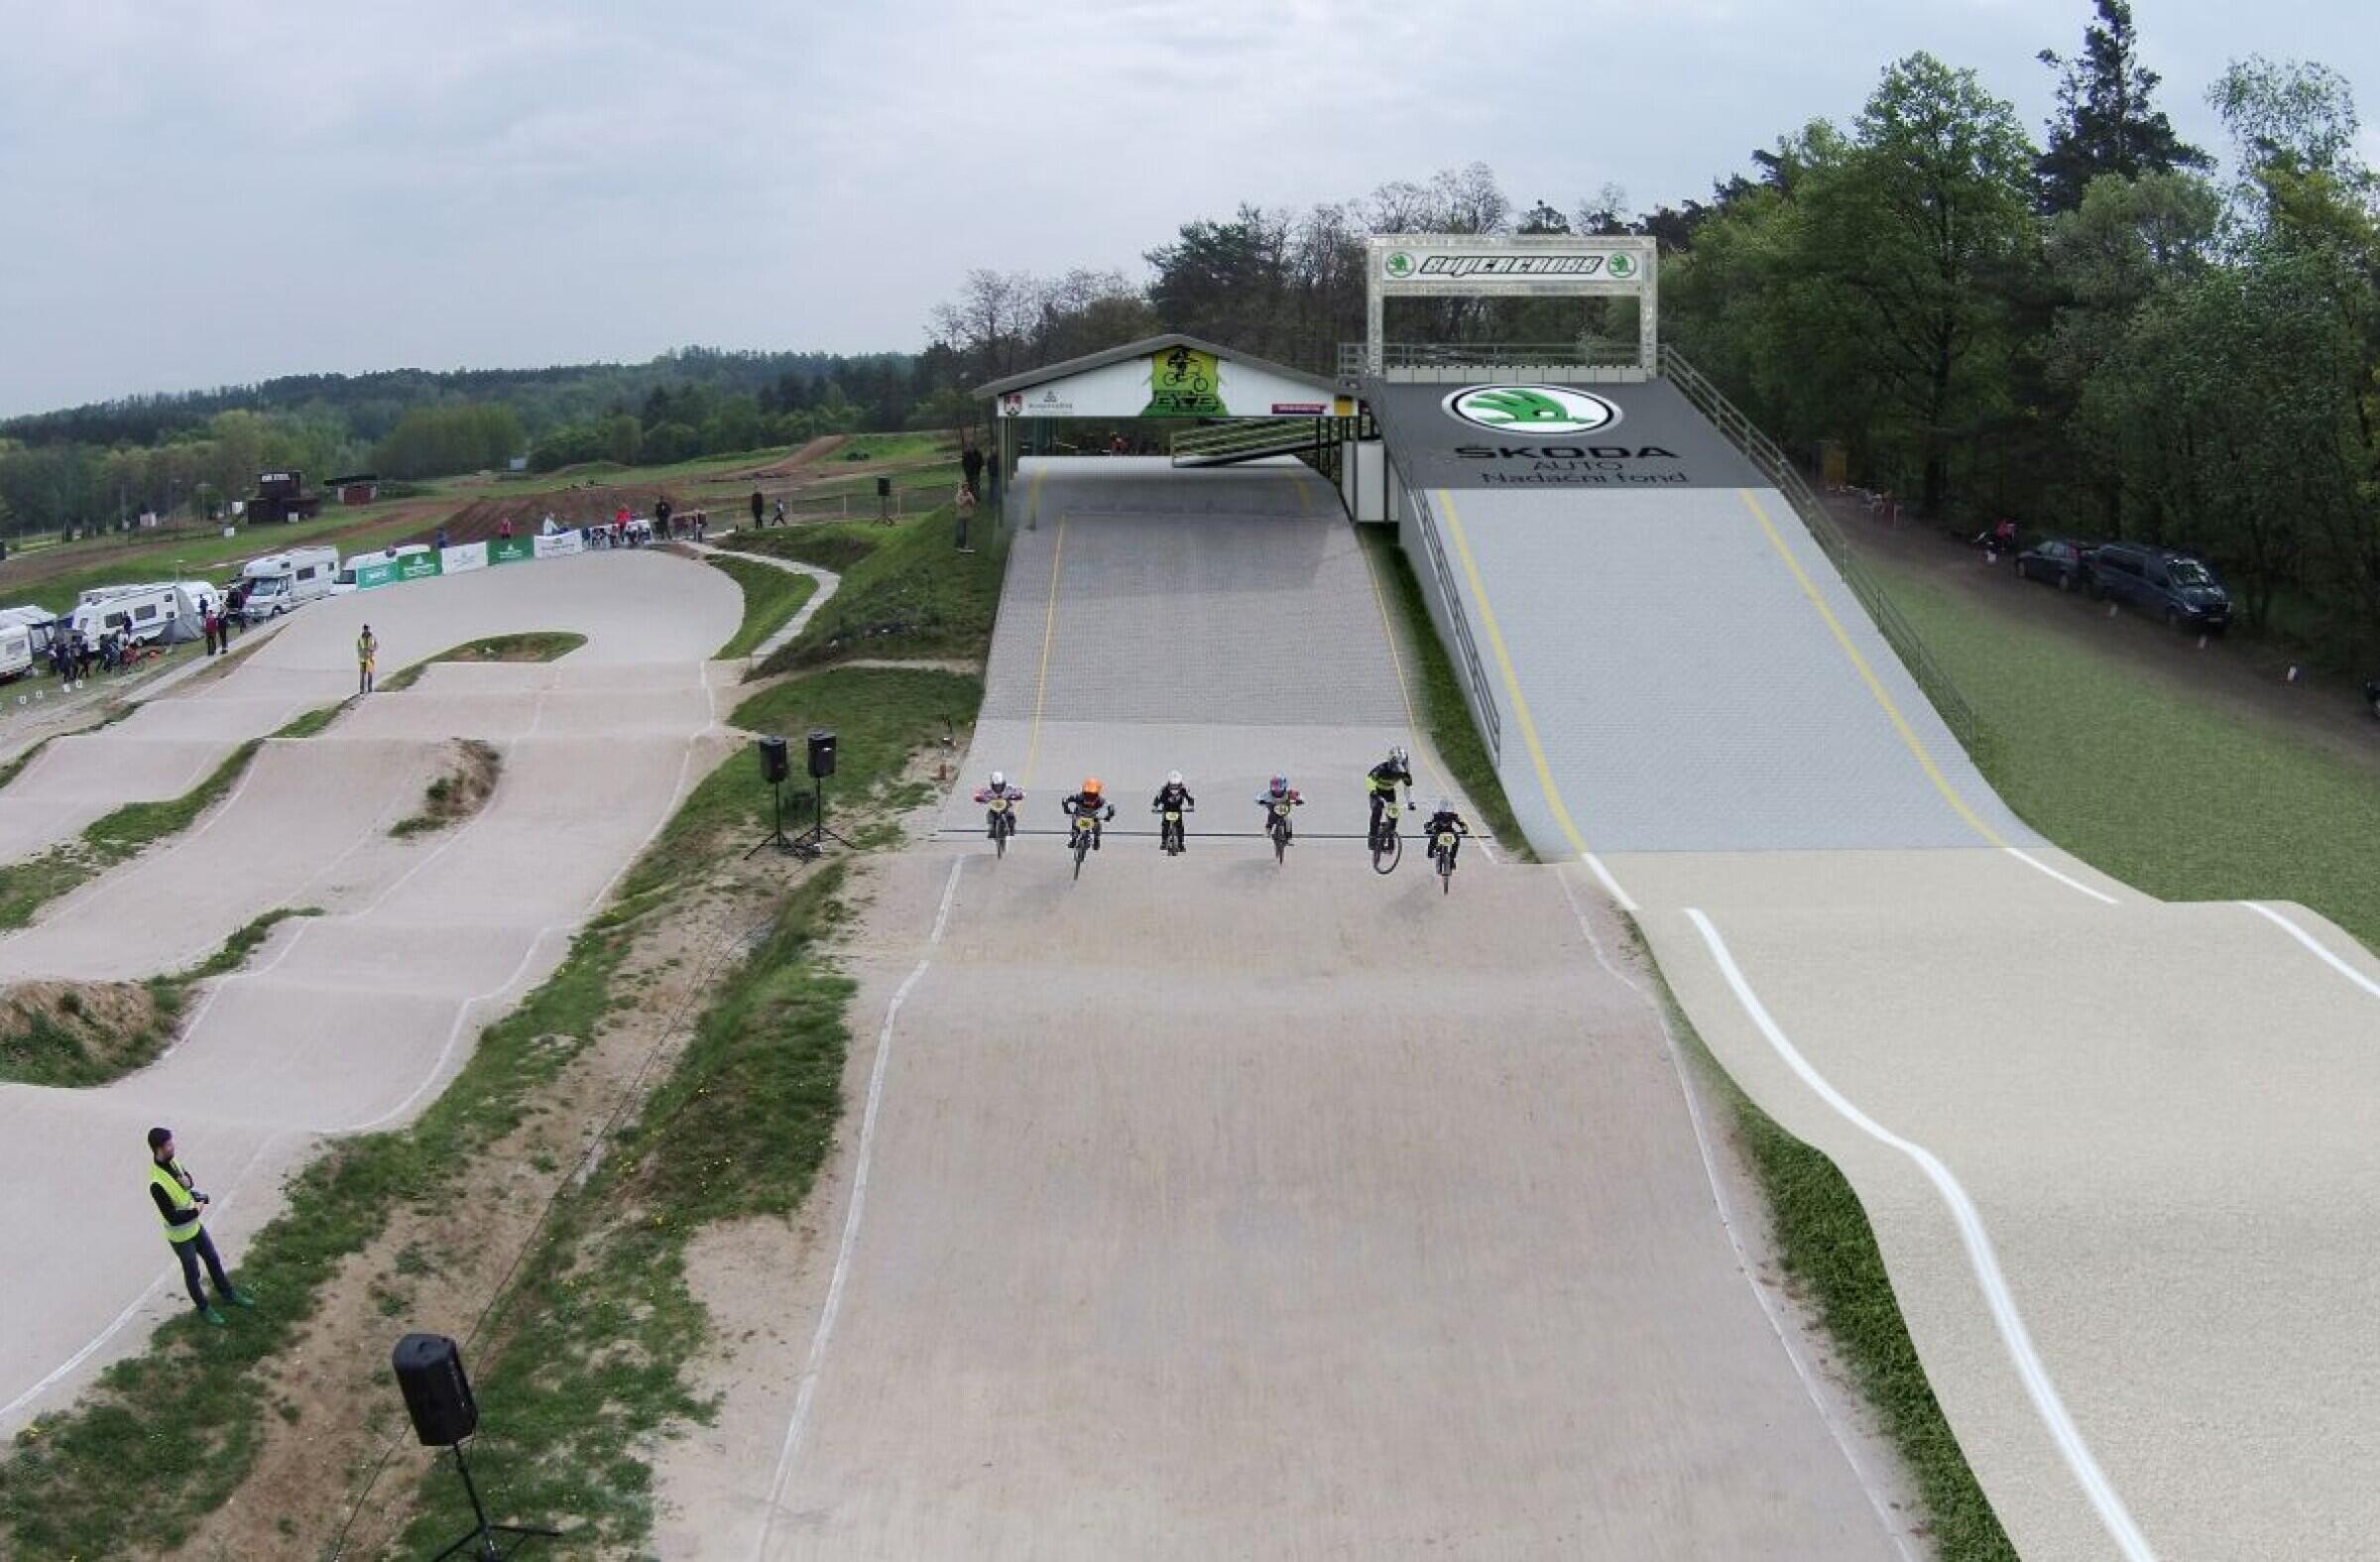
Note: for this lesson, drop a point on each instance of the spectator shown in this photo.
(504, 528)
(207, 624)
(183, 1208)
(963, 506)
(366, 659)
(778, 518)
(441, 542)
(661, 512)
(757, 505)
(971, 462)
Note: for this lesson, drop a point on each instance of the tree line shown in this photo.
(194, 453)
(2103, 333)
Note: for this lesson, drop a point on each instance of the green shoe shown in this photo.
(212, 1316)
(241, 1299)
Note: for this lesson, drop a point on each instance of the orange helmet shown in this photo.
(1090, 785)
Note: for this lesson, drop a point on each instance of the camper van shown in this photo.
(39, 622)
(142, 613)
(350, 577)
(16, 651)
(278, 582)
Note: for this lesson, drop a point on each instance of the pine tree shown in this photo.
(2105, 122)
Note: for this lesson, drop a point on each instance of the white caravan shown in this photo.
(16, 651)
(141, 613)
(345, 581)
(278, 582)
(39, 622)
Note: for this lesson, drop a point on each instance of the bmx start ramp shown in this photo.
(1673, 664)
(1220, 623)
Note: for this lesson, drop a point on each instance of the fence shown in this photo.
(1764, 454)
(1442, 578)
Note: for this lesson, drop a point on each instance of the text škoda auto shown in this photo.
(1565, 453)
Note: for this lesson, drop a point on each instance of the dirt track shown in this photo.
(351, 1020)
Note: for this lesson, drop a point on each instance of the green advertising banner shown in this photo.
(417, 567)
(368, 576)
(1184, 383)
(512, 549)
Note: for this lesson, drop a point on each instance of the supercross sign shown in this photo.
(1489, 265)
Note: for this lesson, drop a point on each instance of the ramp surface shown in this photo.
(1220, 622)
(355, 1019)
(2114, 1150)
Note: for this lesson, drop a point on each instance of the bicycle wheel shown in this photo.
(1388, 850)
(1280, 844)
(1446, 874)
(1082, 848)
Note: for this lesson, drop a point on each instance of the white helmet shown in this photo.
(1173, 777)
(1396, 756)
(1443, 806)
(998, 781)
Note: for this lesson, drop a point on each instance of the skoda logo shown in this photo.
(1399, 264)
(1622, 264)
(1532, 408)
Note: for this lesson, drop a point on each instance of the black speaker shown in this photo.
(773, 767)
(822, 753)
(430, 1372)
(884, 488)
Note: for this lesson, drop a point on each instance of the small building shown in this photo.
(281, 496)
(356, 488)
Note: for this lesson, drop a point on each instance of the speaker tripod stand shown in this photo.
(812, 841)
(777, 834)
(482, 1534)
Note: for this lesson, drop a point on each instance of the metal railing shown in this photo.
(1491, 725)
(1764, 454)
(1586, 358)
(1246, 439)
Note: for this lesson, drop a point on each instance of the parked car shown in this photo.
(2054, 560)
(2158, 580)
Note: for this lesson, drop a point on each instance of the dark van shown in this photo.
(2171, 586)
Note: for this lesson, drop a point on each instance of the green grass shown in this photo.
(313, 721)
(587, 1361)
(2146, 781)
(105, 1479)
(911, 594)
(82, 1046)
(1444, 712)
(879, 715)
(833, 544)
(27, 885)
(771, 596)
(201, 553)
(536, 644)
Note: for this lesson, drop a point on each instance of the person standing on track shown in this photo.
(367, 657)
(183, 1208)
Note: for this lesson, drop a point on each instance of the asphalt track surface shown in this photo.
(354, 1019)
(2116, 1151)
(1205, 1207)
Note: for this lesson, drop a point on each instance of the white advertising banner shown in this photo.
(455, 560)
(560, 545)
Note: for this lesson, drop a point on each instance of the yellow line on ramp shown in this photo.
(1049, 631)
(1867, 674)
(1503, 662)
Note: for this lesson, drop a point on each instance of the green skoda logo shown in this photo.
(1532, 408)
(1621, 264)
(1399, 264)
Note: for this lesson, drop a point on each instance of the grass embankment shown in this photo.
(313, 721)
(1430, 672)
(2165, 791)
(471, 770)
(1829, 1254)
(536, 644)
(907, 591)
(26, 887)
(81, 1034)
(771, 596)
(15, 766)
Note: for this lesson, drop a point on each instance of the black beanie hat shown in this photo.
(158, 1136)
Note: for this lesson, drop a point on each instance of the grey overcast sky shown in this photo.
(212, 191)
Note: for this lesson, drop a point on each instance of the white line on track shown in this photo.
(1611, 884)
(2321, 953)
(2031, 1370)
(2038, 866)
(1802, 1366)
(799, 1421)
